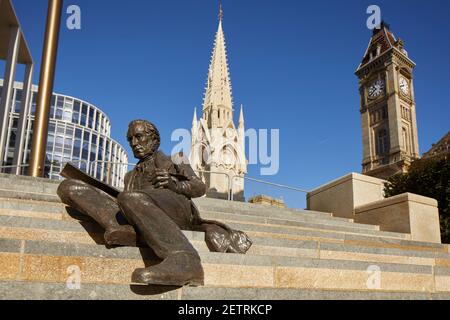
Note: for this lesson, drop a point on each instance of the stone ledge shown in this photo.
(406, 213)
(349, 177)
(397, 200)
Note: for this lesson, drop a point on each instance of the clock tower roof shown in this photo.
(382, 41)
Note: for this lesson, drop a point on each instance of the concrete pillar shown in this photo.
(20, 147)
(8, 87)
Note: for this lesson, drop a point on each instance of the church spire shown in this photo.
(218, 97)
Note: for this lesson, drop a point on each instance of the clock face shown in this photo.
(376, 89)
(404, 86)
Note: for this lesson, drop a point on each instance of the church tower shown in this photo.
(218, 146)
(388, 107)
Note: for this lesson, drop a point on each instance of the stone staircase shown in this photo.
(296, 255)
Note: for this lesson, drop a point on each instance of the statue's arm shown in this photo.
(192, 186)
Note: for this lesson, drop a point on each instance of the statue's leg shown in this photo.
(99, 206)
(181, 263)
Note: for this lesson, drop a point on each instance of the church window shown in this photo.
(385, 112)
(382, 142)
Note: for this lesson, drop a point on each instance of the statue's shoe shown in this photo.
(179, 270)
(121, 236)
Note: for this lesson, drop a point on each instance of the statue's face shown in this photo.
(140, 141)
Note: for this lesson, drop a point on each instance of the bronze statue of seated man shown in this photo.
(157, 205)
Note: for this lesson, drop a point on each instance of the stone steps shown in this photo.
(37, 209)
(297, 254)
(28, 184)
(275, 231)
(13, 290)
(39, 204)
(202, 203)
(37, 261)
(73, 231)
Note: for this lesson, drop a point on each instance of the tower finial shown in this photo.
(220, 12)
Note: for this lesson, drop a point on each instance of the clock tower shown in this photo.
(388, 108)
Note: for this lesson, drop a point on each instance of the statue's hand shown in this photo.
(163, 180)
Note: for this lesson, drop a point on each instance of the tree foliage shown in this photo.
(429, 178)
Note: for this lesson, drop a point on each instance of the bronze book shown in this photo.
(71, 172)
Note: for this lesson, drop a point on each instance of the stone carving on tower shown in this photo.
(218, 146)
(388, 107)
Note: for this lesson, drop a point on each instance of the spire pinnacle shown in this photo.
(220, 12)
(241, 117)
(194, 120)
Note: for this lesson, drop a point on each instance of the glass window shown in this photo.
(59, 114)
(18, 101)
(382, 144)
(68, 143)
(78, 133)
(76, 106)
(60, 129)
(77, 148)
(58, 151)
(12, 139)
(68, 104)
(69, 131)
(75, 117)
(85, 155)
(67, 115)
(50, 140)
(51, 128)
(34, 102)
(94, 139)
(59, 142)
(15, 123)
(60, 102)
(52, 111)
(91, 118)
(84, 109)
(68, 152)
(83, 120)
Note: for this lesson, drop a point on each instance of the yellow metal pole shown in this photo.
(47, 76)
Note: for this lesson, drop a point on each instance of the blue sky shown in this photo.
(292, 66)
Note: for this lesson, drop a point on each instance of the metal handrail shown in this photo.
(46, 164)
(14, 167)
(91, 166)
(265, 182)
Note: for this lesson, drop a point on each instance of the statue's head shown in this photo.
(144, 138)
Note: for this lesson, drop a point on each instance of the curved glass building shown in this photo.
(79, 133)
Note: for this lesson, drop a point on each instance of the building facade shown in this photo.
(218, 146)
(79, 133)
(440, 148)
(388, 107)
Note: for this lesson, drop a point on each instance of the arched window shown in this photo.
(382, 142)
(406, 143)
